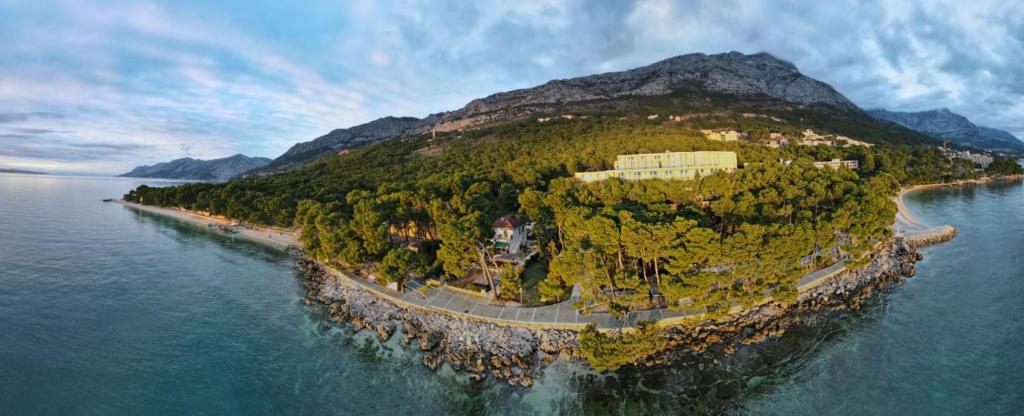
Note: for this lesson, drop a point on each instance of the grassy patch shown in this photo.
(535, 272)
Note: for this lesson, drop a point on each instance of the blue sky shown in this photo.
(99, 87)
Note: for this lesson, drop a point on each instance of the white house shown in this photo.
(836, 164)
(509, 234)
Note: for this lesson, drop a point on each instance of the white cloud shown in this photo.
(160, 75)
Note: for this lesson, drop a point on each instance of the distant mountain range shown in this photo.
(943, 124)
(695, 82)
(26, 172)
(195, 169)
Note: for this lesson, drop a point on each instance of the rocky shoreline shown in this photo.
(480, 348)
(517, 354)
(848, 291)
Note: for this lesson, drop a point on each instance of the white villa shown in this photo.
(509, 234)
(836, 164)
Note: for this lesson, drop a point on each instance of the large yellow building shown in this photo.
(668, 165)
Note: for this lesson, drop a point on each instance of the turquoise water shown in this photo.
(104, 310)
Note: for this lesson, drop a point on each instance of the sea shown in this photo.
(109, 311)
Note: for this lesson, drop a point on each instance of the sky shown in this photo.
(100, 87)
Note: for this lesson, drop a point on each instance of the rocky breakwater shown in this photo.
(480, 348)
(931, 236)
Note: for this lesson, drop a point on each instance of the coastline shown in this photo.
(979, 181)
(276, 238)
(516, 351)
(913, 229)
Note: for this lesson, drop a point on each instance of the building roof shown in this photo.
(508, 221)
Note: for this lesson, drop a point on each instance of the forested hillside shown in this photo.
(697, 84)
(722, 239)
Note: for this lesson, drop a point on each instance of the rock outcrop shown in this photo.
(479, 348)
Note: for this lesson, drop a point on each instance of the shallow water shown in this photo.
(104, 310)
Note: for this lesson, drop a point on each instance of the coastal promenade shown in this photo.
(561, 315)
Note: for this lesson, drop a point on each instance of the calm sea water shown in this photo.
(107, 311)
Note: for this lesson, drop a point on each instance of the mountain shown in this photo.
(943, 124)
(734, 74)
(688, 83)
(24, 172)
(195, 169)
(344, 139)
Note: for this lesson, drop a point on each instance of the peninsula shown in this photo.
(632, 227)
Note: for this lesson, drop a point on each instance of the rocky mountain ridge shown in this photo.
(195, 169)
(728, 73)
(757, 76)
(944, 124)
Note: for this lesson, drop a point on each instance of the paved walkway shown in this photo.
(560, 315)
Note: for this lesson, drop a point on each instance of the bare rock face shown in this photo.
(733, 74)
(728, 73)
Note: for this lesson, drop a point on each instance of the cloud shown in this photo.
(187, 81)
(55, 150)
(19, 117)
(35, 131)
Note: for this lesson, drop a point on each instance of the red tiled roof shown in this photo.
(508, 221)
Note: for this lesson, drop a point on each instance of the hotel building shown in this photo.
(668, 165)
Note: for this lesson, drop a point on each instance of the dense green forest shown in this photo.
(1003, 166)
(706, 243)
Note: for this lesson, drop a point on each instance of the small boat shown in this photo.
(108, 199)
